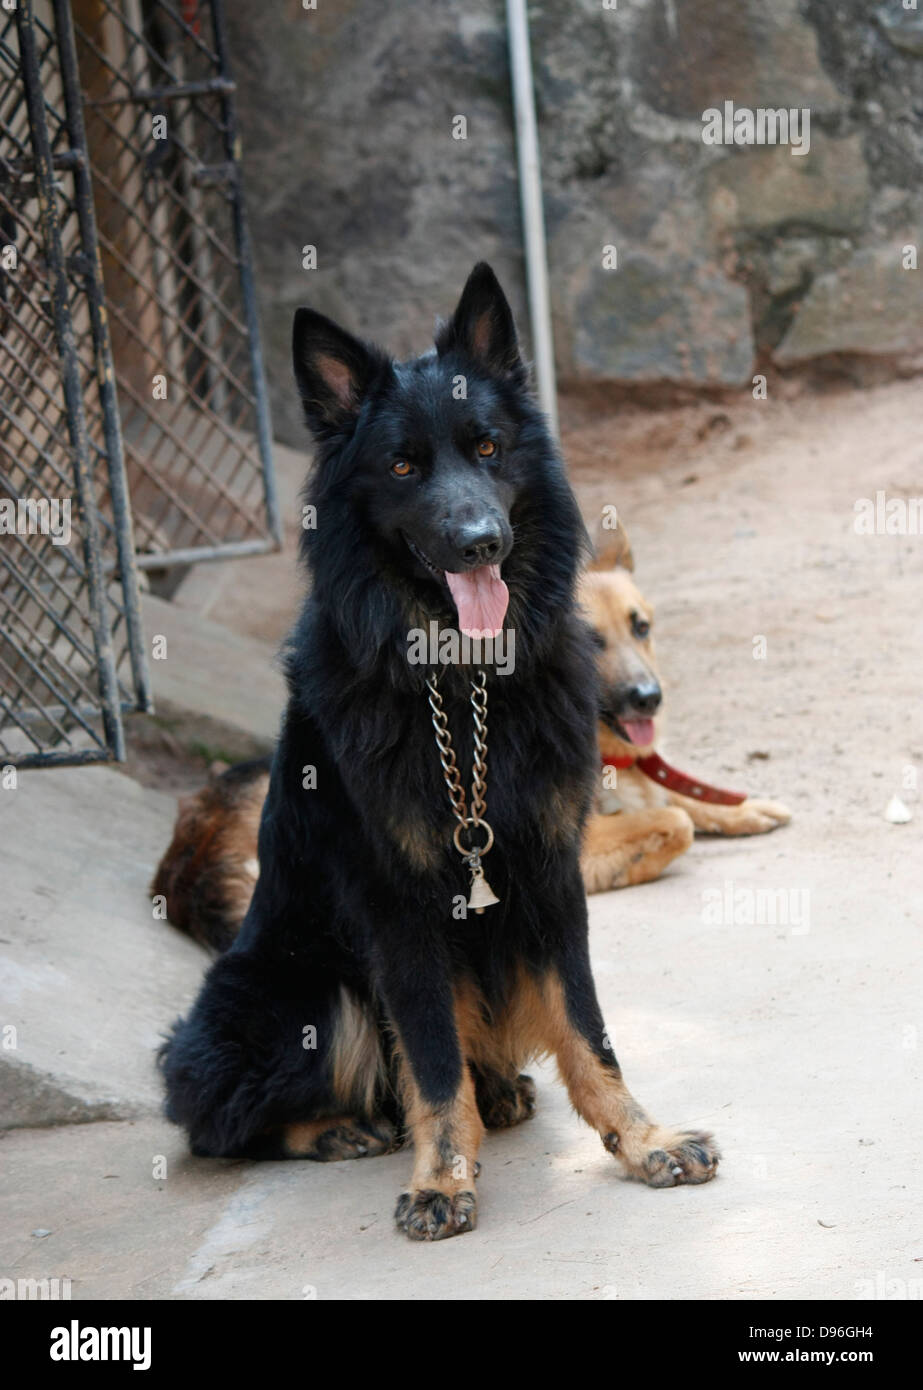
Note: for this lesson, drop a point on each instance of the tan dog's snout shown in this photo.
(640, 696)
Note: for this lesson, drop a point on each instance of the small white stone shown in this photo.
(897, 813)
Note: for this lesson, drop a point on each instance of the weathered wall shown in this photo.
(729, 257)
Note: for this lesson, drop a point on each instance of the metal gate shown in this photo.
(161, 129)
(130, 363)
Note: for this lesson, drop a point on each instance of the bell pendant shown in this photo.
(482, 895)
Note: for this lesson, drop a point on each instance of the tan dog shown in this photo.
(639, 824)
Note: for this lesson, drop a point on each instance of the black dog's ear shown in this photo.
(332, 368)
(482, 326)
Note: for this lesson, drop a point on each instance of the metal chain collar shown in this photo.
(450, 769)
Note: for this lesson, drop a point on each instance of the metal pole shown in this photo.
(530, 195)
(247, 287)
(105, 371)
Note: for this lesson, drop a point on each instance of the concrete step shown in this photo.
(215, 686)
(258, 596)
(89, 980)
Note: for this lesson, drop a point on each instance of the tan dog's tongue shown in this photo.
(481, 598)
(639, 731)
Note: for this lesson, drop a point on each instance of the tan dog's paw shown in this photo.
(755, 817)
(752, 817)
(633, 847)
(432, 1215)
(666, 1157)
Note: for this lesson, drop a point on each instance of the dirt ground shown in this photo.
(742, 525)
(790, 1025)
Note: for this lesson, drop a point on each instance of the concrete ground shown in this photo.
(790, 1023)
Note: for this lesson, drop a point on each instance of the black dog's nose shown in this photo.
(478, 542)
(645, 698)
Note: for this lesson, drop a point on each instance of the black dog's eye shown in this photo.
(486, 448)
(401, 468)
(598, 640)
(640, 626)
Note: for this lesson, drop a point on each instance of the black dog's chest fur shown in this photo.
(373, 834)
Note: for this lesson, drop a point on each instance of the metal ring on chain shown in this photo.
(469, 823)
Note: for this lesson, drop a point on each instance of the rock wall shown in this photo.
(728, 258)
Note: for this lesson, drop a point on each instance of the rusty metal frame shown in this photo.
(177, 261)
(69, 614)
(134, 254)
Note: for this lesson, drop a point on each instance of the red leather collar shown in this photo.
(654, 767)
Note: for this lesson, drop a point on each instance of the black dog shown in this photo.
(362, 999)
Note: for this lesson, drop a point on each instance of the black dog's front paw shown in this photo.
(666, 1157)
(430, 1215)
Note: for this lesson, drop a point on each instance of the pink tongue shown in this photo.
(639, 731)
(481, 598)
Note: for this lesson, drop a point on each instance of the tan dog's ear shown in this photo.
(611, 549)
